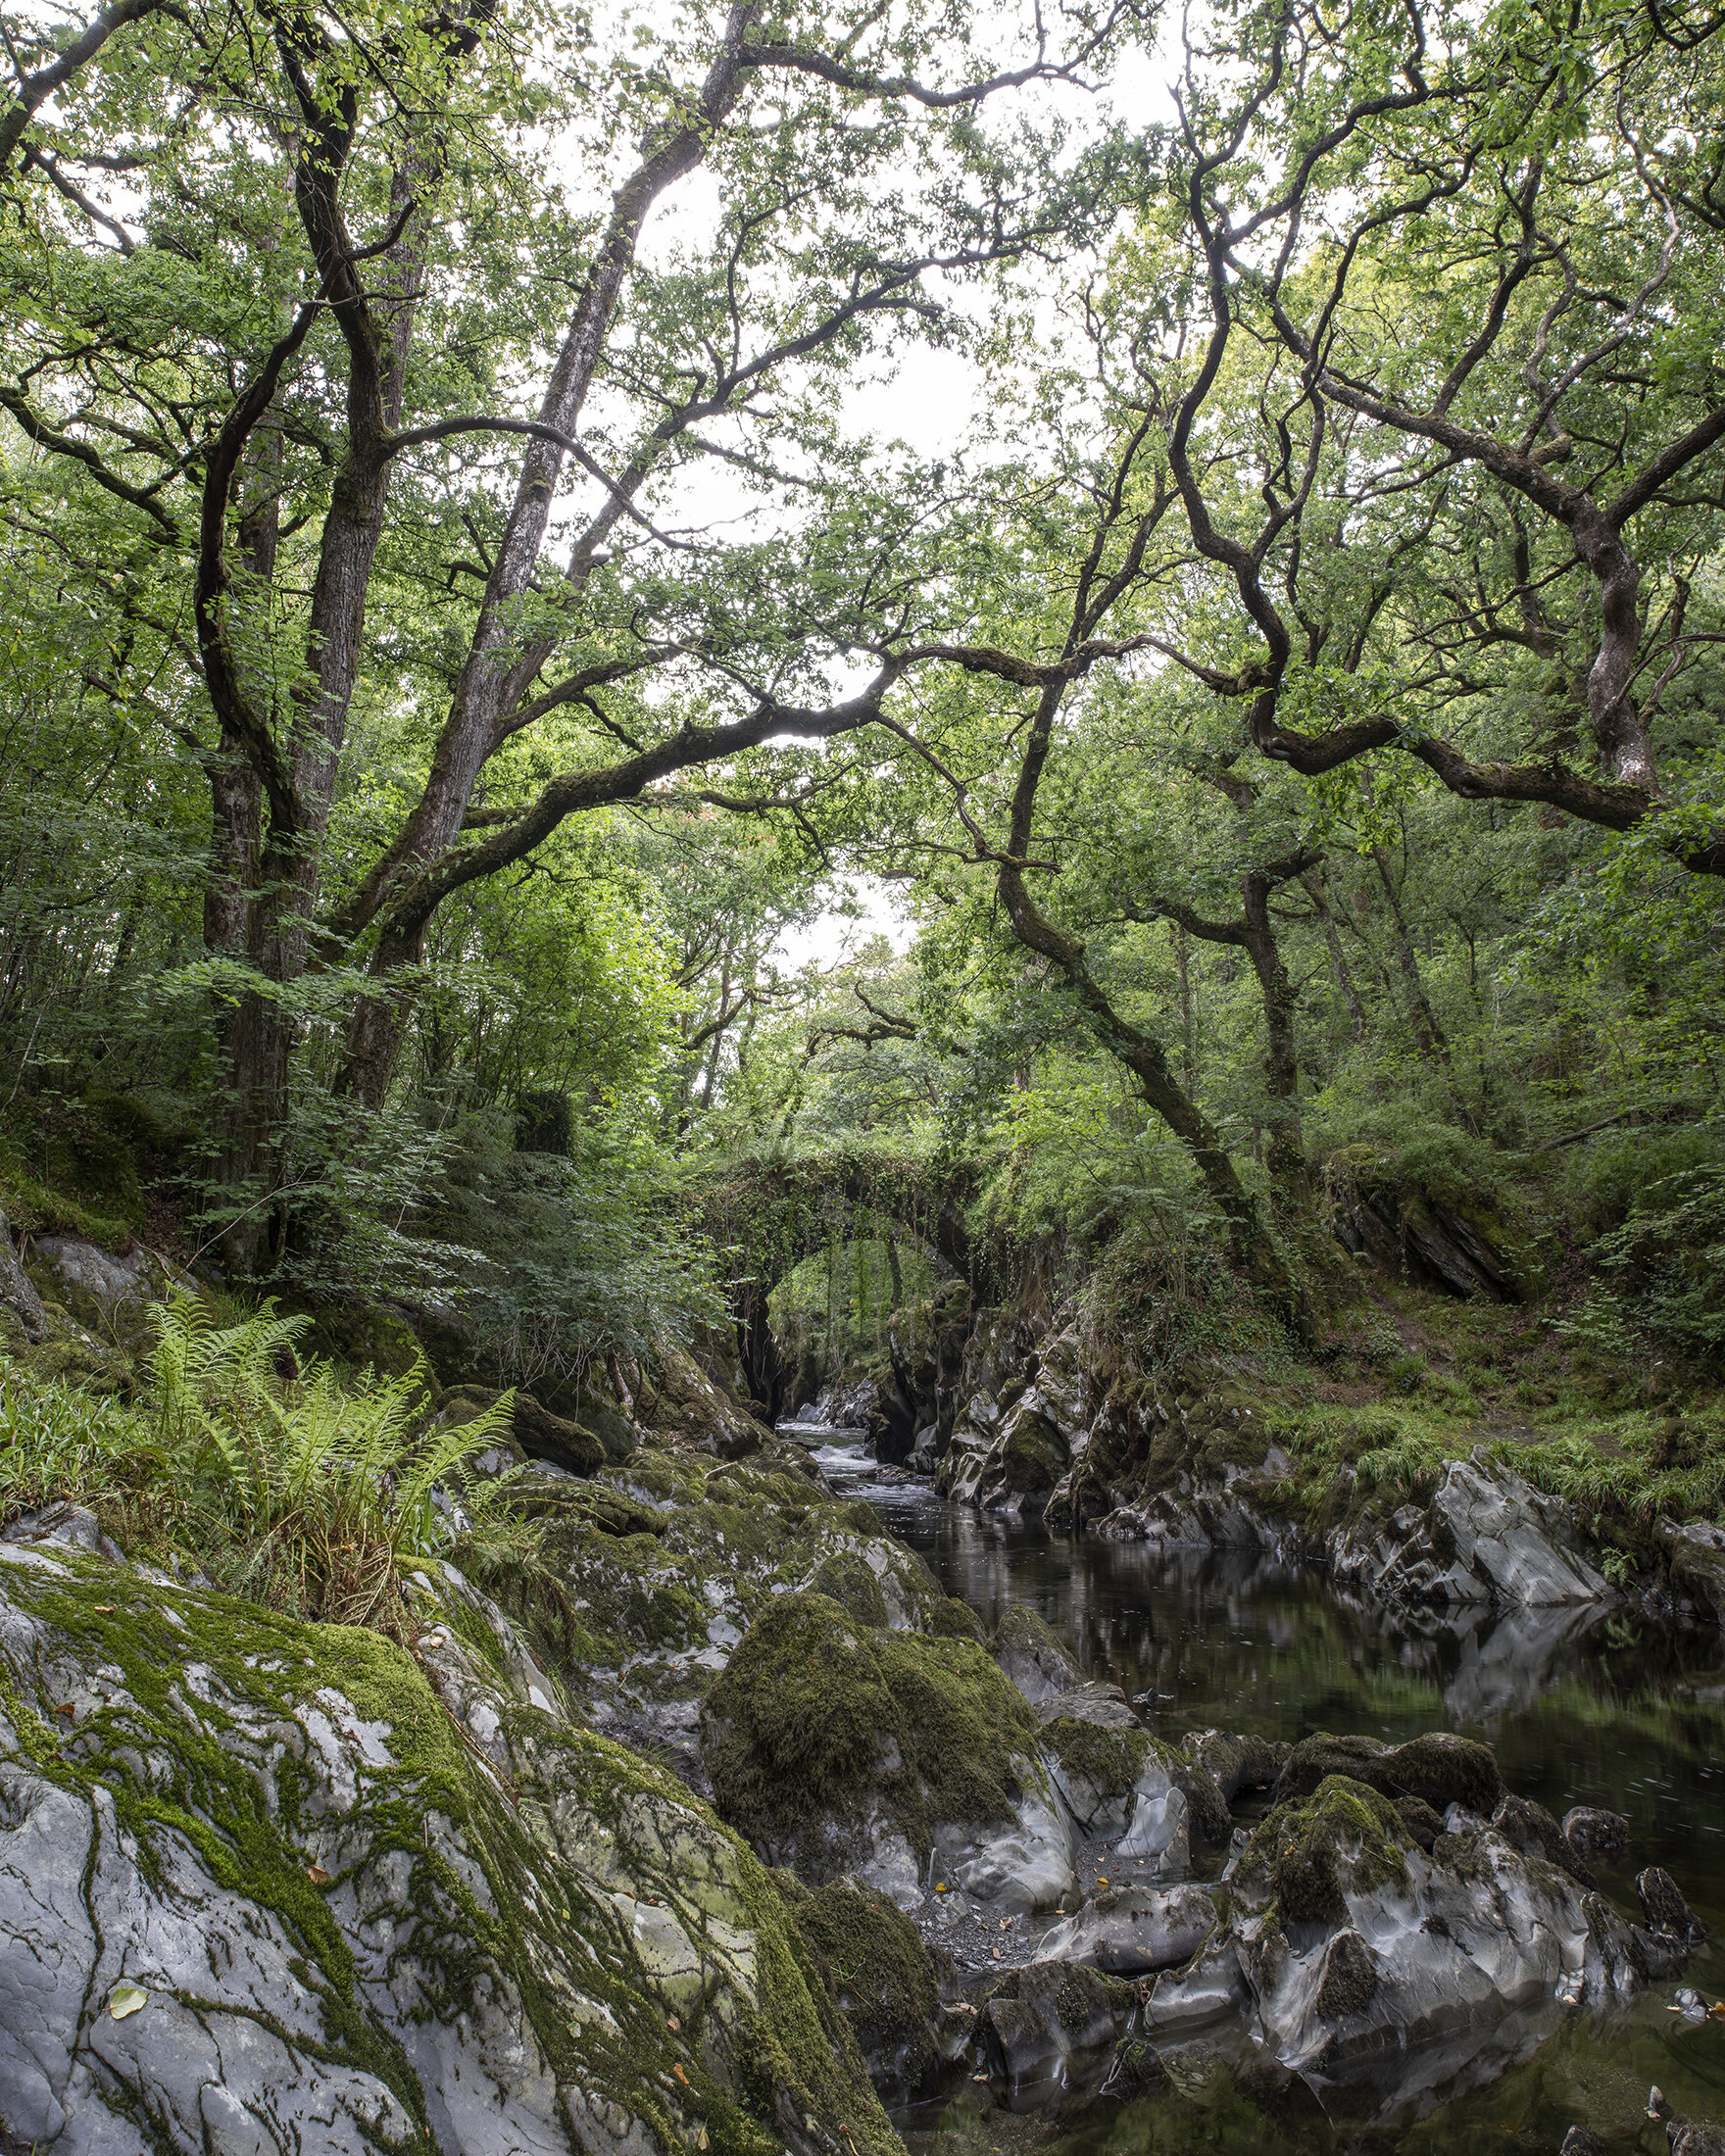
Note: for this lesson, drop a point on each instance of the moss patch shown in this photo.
(951, 1618)
(845, 1579)
(1110, 1760)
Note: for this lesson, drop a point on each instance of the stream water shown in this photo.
(1580, 1709)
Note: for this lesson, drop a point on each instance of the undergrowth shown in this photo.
(1620, 1477)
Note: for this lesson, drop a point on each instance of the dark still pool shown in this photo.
(1581, 1708)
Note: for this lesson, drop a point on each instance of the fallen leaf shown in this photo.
(1101, 1883)
(1005, 1922)
(68, 1707)
(317, 1875)
(701, 2143)
(941, 1886)
(104, 1609)
(674, 2025)
(124, 1999)
(431, 1639)
(681, 2076)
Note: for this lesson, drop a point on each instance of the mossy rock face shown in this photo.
(361, 1334)
(1034, 1456)
(1306, 1856)
(72, 1352)
(1033, 1656)
(1109, 1759)
(818, 1719)
(372, 1914)
(845, 1579)
(881, 1976)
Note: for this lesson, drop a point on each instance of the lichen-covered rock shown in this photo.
(367, 1909)
(1593, 1832)
(1103, 1705)
(1486, 1535)
(1694, 1559)
(839, 1747)
(1667, 1911)
(94, 1284)
(1135, 1931)
(1033, 1656)
(1531, 1829)
(18, 1291)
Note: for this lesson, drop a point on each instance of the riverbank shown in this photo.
(835, 1773)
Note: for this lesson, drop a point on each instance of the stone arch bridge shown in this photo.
(771, 1216)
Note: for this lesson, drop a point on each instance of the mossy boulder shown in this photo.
(372, 1901)
(1308, 1856)
(845, 1579)
(837, 1747)
(1108, 1759)
(951, 1618)
(1440, 1770)
(818, 1717)
(72, 1351)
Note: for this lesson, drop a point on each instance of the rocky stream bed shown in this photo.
(811, 1801)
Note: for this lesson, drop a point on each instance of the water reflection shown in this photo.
(1582, 1707)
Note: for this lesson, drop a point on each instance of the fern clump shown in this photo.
(301, 1494)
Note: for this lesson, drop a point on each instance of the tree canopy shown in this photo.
(482, 600)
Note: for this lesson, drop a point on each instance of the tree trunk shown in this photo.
(1339, 967)
(1428, 1035)
(491, 683)
(1286, 1149)
(1187, 1022)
